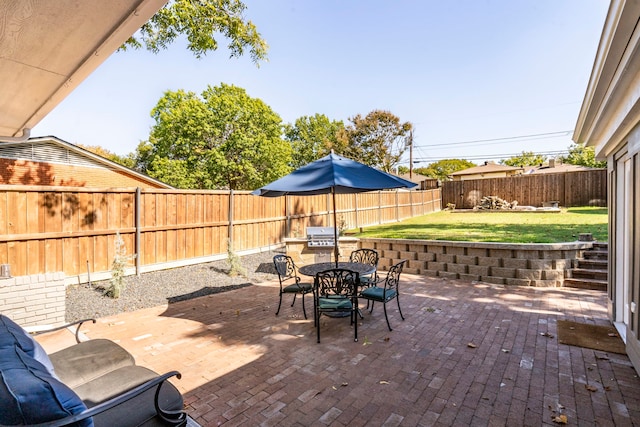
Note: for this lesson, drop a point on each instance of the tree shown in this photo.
(581, 155)
(311, 138)
(441, 169)
(527, 158)
(199, 21)
(377, 140)
(403, 170)
(127, 160)
(221, 140)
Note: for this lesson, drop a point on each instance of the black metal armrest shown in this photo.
(57, 328)
(174, 418)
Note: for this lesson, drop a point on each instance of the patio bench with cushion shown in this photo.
(91, 383)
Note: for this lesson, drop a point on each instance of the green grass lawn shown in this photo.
(505, 227)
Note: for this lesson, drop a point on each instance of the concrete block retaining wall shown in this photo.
(540, 264)
(38, 299)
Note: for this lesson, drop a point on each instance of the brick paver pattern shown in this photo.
(467, 354)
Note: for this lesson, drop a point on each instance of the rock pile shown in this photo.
(495, 203)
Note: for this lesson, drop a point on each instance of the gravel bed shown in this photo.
(159, 287)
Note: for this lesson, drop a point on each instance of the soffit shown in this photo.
(48, 47)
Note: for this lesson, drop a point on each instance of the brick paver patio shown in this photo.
(467, 354)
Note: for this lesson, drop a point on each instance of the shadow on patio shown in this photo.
(467, 354)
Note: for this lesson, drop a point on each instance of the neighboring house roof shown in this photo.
(487, 168)
(55, 151)
(47, 48)
(558, 168)
(415, 177)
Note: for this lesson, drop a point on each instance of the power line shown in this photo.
(505, 139)
(487, 156)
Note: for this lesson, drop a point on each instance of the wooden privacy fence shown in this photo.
(73, 230)
(583, 188)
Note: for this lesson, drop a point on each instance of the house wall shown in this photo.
(624, 223)
(26, 172)
(38, 299)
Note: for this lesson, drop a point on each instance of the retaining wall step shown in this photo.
(594, 264)
(598, 285)
(588, 273)
(595, 254)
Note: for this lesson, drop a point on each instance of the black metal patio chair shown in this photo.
(335, 294)
(290, 282)
(366, 256)
(386, 290)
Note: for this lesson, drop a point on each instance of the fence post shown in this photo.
(355, 204)
(230, 232)
(138, 234)
(287, 215)
(397, 206)
(379, 207)
(411, 202)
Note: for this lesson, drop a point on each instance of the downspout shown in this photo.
(26, 132)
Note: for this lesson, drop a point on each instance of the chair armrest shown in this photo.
(78, 323)
(175, 418)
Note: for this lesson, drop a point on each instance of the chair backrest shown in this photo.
(285, 267)
(365, 256)
(337, 281)
(393, 276)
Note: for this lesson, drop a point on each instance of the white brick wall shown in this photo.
(34, 300)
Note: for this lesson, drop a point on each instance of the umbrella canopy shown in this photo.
(333, 174)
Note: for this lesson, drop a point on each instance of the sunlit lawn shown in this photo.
(495, 226)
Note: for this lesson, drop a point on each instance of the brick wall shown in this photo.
(34, 300)
(499, 263)
(24, 172)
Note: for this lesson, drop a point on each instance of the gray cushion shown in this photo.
(139, 411)
(113, 383)
(84, 362)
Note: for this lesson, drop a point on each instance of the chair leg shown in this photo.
(279, 304)
(294, 299)
(372, 303)
(398, 301)
(318, 327)
(304, 310)
(355, 327)
(384, 305)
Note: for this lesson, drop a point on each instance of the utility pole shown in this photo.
(410, 154)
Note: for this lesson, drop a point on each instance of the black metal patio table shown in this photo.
(360, 268)
(313, 269)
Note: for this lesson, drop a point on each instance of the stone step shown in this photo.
(603, 246)
(595, 254)
(594, 264)
(598, 285)
(588, 273)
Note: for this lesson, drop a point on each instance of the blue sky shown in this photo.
(477, 78)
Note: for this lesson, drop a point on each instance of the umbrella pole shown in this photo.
(335, 227)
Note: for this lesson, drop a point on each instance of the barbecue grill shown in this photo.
(320, 237)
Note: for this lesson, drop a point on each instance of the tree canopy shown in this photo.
(127, 160)
(527, 158)
(200, 21)
(581, 155)
(378, 140)
(312, 137)
(443, 168)
(222, 140)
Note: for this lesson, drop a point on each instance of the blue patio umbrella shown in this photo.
(336, 175)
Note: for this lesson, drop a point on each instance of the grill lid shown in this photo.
(320, 236)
